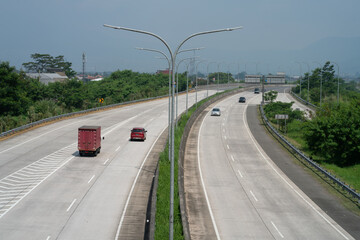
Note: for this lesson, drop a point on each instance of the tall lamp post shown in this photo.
(168, 60)
(177, 85)
(257, 63)
(187, 86)
(173, 60)
(207, 87)
(196, 82)
(218, 67)
(338, 88)
(308, 81)
(300, 76)
(320, 67)
(229, 73)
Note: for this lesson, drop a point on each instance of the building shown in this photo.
(163, 71)
(275, 79)
(253, 78)
(47, 78)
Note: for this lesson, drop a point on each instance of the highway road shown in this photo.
(47, 191)
(247, 195)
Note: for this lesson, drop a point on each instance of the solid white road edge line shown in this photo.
(268, 162)
(203, 184)
(133, 186)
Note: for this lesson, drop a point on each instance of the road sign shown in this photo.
(101, 100)
(281, 116)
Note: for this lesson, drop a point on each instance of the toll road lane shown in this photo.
(249, 197)
(84, 197)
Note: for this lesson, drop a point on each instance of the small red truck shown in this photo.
(89, 140)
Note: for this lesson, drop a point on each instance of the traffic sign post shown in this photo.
(279, 117)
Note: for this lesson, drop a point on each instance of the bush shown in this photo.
(335, 133)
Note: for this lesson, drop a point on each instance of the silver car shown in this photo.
(215, 112)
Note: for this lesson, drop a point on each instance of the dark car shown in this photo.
(256, 90)
(242, 99)
(138, 133)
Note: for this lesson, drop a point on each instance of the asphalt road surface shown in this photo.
(47, 191)
(247, 195)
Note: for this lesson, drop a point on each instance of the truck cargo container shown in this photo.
(89, 140)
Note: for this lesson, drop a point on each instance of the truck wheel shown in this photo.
(95, 153)
(81, 154)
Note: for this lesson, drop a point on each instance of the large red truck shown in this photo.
(89, 140)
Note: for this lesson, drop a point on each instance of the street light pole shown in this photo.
(196, 81)
(300, 76)
(187, 86)
(218, 75)
(173, 60)
(257, 63)
(320, 81)
(207, 87)
(338, 88)
(177, 85)
(229, 73)
(157, 51)
(308, 81)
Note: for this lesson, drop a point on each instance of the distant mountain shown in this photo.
(343, 51)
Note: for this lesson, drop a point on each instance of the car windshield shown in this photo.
(216, 110)
(137, 130)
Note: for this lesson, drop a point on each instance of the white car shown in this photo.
(215, 112)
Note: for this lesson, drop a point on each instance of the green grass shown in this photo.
(163, 192)
(350, 175)
(163, 200)
(295, 134)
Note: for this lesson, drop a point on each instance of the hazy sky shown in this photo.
(275, 32)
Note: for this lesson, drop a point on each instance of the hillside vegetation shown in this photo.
(332, 136)
(24, 100)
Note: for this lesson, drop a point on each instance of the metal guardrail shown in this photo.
(311, 162)
(29, 125)
(303, 100)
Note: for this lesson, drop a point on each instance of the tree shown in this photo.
(223, 78)
(43, 62)
(13, 96)
(270, 96)
(335, 133)
(240, 75)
